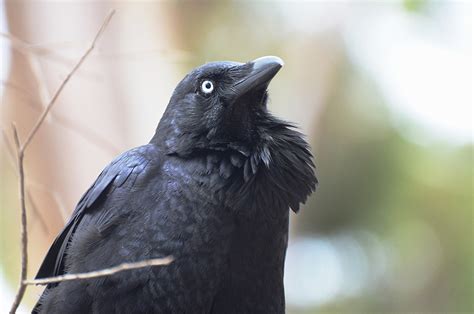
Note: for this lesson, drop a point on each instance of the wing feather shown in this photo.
(113, 176)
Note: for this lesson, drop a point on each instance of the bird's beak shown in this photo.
(263, 70)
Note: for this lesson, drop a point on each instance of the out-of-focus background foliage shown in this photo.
(382, 89)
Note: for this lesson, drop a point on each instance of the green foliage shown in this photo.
(414, 5)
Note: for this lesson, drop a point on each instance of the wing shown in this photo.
(161, 212)
(124, 169)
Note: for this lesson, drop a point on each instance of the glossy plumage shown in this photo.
(212, 189)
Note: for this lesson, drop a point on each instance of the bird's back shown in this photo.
(154, 214)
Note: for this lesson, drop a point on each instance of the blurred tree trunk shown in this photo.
(96, 117)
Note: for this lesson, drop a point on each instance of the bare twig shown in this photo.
(24, 231)
(34, 52)
(65, 81)
(21, 90)
(11, 154)
(27, 47)
(20, 148)
(28, 52)
(86, 133)
(102, 272)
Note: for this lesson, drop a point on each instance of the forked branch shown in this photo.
(20, 153)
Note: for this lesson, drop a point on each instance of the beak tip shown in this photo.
(259, 76)
(268, 60)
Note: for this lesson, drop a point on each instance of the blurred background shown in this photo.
(382, 89)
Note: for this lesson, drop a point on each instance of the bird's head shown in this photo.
(219, 105)
(219, 109)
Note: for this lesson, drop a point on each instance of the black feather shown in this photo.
(213, 189)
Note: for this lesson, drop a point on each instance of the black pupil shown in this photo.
(208, 85)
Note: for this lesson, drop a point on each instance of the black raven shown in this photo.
(213, 189)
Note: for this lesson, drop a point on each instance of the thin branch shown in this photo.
(102, 272)
(65, 81)
(74, 126)
(11, 154)
(54, 196)
(21, 90)
(36, 51)
(24, 231)
(20, 148)
(47, 50)
(25, 49)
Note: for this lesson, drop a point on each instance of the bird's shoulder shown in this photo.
(126, 166)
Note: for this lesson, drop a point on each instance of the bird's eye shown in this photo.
(207, 87)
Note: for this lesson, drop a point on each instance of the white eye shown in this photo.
(207, 87)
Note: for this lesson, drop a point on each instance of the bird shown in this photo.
(213, 189)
